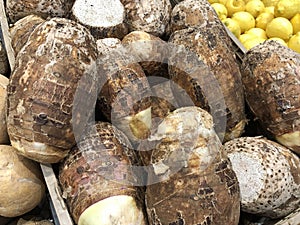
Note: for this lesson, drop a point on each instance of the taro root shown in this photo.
(97, 179)
(103, 18)
(150, 50)
(292, 218)
(22, 187)
(194, 13)
(4, 64)
(125, 97)
(105, 45)
(44, 8)
(21, 30)
(271, 78)
(268, 175)
(42, 88)
(151, 16)
(3, 98)
(190, 178)
(208, 88)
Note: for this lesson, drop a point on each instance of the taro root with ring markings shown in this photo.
(271, 78)
(42, 87)
(207, 93)
(191, 180)
(97, 179)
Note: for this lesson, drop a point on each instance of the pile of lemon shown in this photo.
(254, 21)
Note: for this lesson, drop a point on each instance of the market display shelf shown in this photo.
(58, 206)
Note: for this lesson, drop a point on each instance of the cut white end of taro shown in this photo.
(39, 152)
(137, 126)
(121, 209)
(103, 18)
(268, 176)
(97, 13)
(251, 174)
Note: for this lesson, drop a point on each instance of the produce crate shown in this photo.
(58, 206)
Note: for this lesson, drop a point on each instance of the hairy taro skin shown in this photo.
(271, 79)
(151, 16)
(42, 87)
(21, 30)
(220, 81)
(204, 190)
(45, 8)
(98, 168)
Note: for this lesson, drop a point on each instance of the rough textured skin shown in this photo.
(42, 87)
(280, 193)
(44, 8)
(151, 16)
(271, 78)
(4, 64)
(292, 218)
(21, 30)
(204, 190)
(149, 48)
(91, 12)
(99, 167)
(22, 185)
(213, 51)
(125, 96)
(3, 98)
(195, 13)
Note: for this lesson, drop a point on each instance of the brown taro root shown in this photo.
(151, 16)
(150, 50)
(104, 18)
(97, 179)
(196, 13)
(42, 87)
(4, 64)
(125, 96)
(21, 30)
(271, 78)
(3, 99)
(190, 179)
(44, 8)
(21, 183)
(208, 89)
(268, 175)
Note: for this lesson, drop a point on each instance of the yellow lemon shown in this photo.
(235, 6)
(250, 43)
(213, 1)
(270, 2)
(287, 8)
(295, 21)
(279, 27)
(245, 20)
(294, 42)
(223, 2)
(269, 9)
(220, 10)
(233, 26)
(244, 37)
(279, 40)
(255, 7)
(263, 19)
(258, 32)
